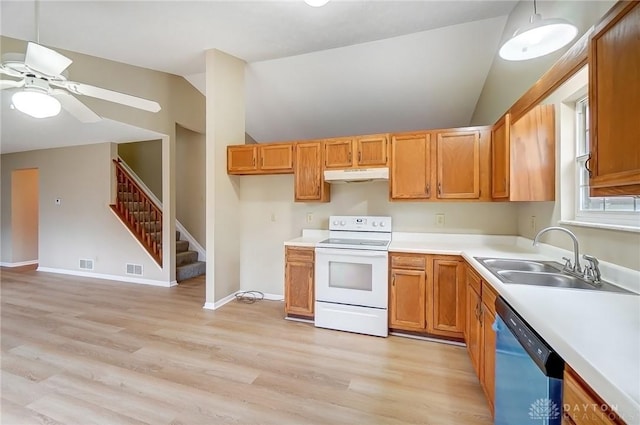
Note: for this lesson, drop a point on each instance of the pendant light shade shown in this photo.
(36, 103)
(316, 3)
(538, 38)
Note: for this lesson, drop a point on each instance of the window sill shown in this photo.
(604, 226)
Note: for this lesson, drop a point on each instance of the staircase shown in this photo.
(143, 217)
(187, 264)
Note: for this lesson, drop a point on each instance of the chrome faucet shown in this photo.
(574, 269)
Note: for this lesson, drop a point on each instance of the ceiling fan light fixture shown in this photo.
(538, 38)
(316, 3)
(36, 103)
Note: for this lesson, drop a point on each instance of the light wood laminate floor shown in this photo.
(88, 351)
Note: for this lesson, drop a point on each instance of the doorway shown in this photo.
(25, 193)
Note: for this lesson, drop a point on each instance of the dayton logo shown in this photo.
(544, 408)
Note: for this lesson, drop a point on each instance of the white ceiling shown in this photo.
(172, 36)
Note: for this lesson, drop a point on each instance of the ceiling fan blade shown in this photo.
(75, 107)
(45, 60)
(10, 84)
(112, 96)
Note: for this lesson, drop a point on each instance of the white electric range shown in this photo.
(351, 275)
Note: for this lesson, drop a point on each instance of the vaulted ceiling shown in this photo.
(348, 67)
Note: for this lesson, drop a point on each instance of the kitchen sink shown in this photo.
(521, 265)
(540, 273)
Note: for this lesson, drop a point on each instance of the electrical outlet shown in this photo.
(532, 223)
(440, 220)
(58, 201)
(309, 217)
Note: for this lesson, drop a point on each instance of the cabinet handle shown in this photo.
(393, 279)
(439, 188)
(254, 161)
(349, 157)
(586, 165)
(427, 190)
(262, 161)
(359, 156)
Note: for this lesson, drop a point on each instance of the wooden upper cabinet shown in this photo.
(447, 294)
(372, 151)
(532, 160)
(356, 152)
(500, 158)
(242, 159)
(458, 165)
(614, 102)
(268, 158)
(308, 176)
(338, 153)
(276, 157)
(410, 169)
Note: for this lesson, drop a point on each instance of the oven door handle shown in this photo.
(351, 252)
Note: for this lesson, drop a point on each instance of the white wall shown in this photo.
(262, 249)
(191, 182)
(225, 126)
(145, 159)
(82, 226)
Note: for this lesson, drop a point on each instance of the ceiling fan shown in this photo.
(45, 88)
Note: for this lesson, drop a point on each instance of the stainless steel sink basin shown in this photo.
(521, 265)
(540, 273)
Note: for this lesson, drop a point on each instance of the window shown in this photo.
(621, 210)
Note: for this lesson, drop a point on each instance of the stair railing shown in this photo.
(138, 212)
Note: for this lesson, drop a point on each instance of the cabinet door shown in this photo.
(308, 177)
(407, 300)
(298, 278)
(458, 165)
(614, 102)
(583, 405)
(410, 170)
(447, 298)
(276, 157)
(473, 328)
(372, 150)
(242, 159)
(533, 156)
(488, 355)
(500, 158)
(338, 153)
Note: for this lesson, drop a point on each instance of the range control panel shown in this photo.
(356, 223)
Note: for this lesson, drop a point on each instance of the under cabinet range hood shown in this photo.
(356, 175)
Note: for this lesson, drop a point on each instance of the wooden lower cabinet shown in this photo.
(299, 282)
(426, 294)
(582, 406)
(447, 291)
(479, 333)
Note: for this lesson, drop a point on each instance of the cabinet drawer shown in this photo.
(417, 262)
(582, 405)
(489, 296)
(305, 255)
(474, 280)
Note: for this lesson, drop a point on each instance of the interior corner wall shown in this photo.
(145, 159)
(82, 226)
(507, 81)
(225, 119)
(24, 215)
(190, 182)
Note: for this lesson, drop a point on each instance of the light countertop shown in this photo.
(597, 333)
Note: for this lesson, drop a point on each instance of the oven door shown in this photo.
(349, 276)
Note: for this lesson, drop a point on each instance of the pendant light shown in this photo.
(316, 3)
(538, 38)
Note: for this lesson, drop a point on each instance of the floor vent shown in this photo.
(134, 269)
(86, 264)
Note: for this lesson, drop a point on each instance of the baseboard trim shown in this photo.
(217, 304)
(430, 339)
(126, 279)
(19, 263)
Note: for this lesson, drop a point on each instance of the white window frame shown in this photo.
(630, 219)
